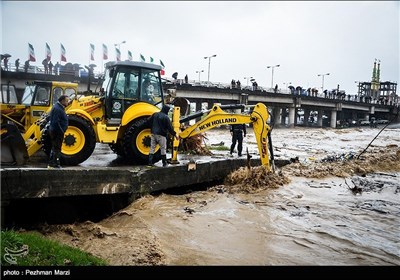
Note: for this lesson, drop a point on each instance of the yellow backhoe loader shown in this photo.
(19, 117)
(117, 114)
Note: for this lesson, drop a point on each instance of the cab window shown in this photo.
(126, 84)
(8, 94)
(57, 93)
(150, 90)
(28, 95)
(70, 92)
(42, 97)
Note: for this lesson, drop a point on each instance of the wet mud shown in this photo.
(326, 208)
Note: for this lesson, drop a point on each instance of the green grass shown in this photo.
(42, 252)
(218, 148)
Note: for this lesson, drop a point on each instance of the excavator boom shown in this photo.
(217, 116)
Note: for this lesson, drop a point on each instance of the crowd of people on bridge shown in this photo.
(74, 69)
(48, 67)
(341, 95)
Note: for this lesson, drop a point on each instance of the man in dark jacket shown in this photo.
(160, 125)
(237, 132)
(58, 126)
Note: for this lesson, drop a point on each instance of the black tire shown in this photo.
(69, 156)
(133, 153)
(117, 149)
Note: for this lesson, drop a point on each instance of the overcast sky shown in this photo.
(304, 38)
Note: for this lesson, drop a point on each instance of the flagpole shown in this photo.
(90, 56)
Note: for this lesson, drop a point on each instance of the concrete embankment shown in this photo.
(23, 183)
(34, 195)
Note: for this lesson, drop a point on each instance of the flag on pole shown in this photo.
(105, 52)
(118, 54)
(63, 57)
(142, 58)
(130, 55)
(162, 72)
(48, 52)
(151, 60)
(91, 52)
(31, 53)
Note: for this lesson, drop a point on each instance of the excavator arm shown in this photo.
(217, 116)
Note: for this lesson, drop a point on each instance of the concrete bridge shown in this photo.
(19, 79)
(286, 107)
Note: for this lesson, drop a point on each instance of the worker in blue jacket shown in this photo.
(58, 126)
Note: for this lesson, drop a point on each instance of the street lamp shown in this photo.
(248, 78)
(209, 62)
(119, 45)
(272, 79)
(323, 75)
(199, 73)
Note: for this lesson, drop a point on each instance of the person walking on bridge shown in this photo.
(237, 132)
(5, 59)
(26, 66)
(45, 65)
(58, 126)
(17, 65)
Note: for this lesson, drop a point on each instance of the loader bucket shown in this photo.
(13, 148)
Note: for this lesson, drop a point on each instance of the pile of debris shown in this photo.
(254, 179)
(195, 145)
(378, 159)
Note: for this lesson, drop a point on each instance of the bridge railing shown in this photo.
(41, 70)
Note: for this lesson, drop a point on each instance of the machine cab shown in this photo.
(128, 82)
(41, 96)
(8, 94)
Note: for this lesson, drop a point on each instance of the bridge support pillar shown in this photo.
(283, 116)
(372, 110)
(306, 116)
(354, 116)
(333, 118)
(277, 115)
(198, 108)
(319, 119)
(292, 114)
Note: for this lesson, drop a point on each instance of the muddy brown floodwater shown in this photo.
(329, 208)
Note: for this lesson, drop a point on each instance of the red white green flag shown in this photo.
(63, 57)
(48, 52)
(31, 53)
(91, 52)
(162, 72)
(105, 52)
(118, 54)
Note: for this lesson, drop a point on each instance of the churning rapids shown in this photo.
(328, 209)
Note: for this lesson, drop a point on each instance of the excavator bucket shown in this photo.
(13, 148)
